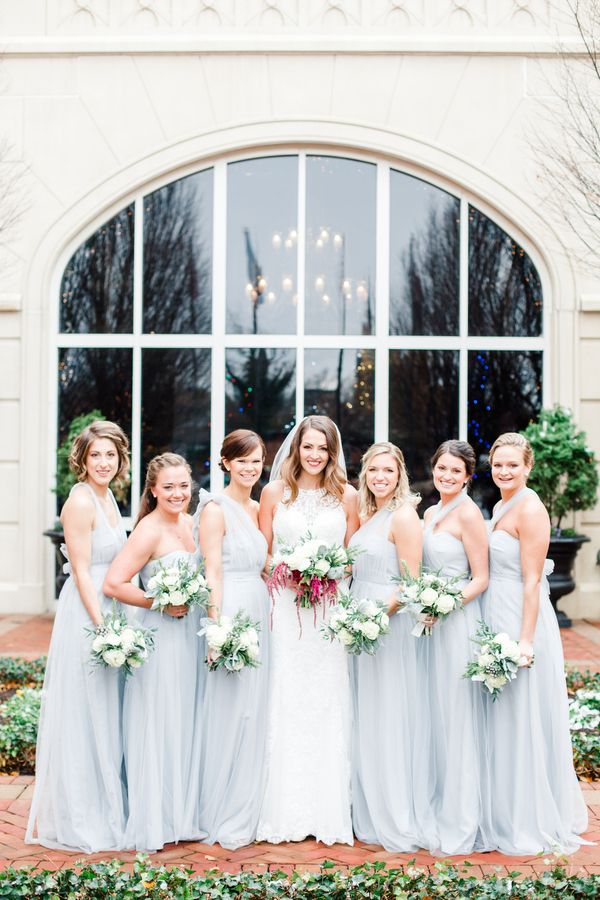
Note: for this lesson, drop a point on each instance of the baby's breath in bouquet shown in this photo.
(118, 644)
(357, 624)
(233, 642)
(429, 595)
(497, 661)
(181, 584)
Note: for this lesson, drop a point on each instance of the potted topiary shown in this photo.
(565, 476)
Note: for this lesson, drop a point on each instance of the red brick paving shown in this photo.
(30, 635)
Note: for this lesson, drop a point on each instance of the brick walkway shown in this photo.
(29, 636)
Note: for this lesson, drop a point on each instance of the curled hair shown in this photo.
(461, 450)
(402, 493)
(156, 465)
(513, 439)
(240, 443)
(97, 430)
(333, 478)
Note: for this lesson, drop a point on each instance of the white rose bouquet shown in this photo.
(182, 584)
(430, 594)
(497, 661)
(233, 642)
(357, 624)
(118, 644)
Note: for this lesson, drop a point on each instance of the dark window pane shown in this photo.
(95, 379)
(260, 392)
(262, 245)
(176, 409)
(341, 384)
(178, 256)
(424, 257)
(505, 293)
(423, 410)
(340, 246)
(96, 293)
(505, 392)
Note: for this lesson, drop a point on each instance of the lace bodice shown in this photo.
(312, 510)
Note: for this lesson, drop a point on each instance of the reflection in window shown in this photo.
(176, 408)
(423, 410)
(262, 245)
(96, 293)
(505, 293)
(424, 257)
(260, 391)
(340, 246)
(505, 392)
(178, 256)
(95, 379)
(341, 384)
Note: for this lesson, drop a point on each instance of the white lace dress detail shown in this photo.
(308, 737)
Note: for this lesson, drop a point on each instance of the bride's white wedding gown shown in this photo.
(308, 738)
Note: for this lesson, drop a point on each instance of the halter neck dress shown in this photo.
(79, 797)
(532, 800)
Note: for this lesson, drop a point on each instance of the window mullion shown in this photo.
(136, 369)
(301, 282)
(382, 283)
(217, 400)
(463, 378)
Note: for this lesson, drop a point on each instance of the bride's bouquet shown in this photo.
(233, 642)
(357, 624)
(497, 662)
(118, 644)
(430, 594)
(313, 570)
(182, 584)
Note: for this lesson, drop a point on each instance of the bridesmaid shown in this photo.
(79, 800)
(532, 800)
(447, 778)
(385, 685)
(160, 723)
(235, 706)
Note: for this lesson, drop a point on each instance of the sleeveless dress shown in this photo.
(79, 799)
(532, 798)
(162, 727)
(384, 694)
(308, 735)
(447, 777)
(235, 706)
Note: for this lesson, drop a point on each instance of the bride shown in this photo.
(308, 739)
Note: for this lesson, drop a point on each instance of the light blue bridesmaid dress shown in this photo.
(532, 798)
(79, 799)
(384, 688)
(450, 725)
(235, 705)
(162, 727)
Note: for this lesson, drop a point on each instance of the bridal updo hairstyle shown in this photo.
(240, 443)
(459, 449)
(403, 494)
(513, 439)
(333, 478)
(156, 465)
(96, 430)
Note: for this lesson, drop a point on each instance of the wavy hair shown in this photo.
(402, 494)
(156, 465)
(96, 430)
(333, 479)
(513, 439)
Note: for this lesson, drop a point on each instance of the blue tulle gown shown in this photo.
(79, 798)
(384, 698)
(162, 727)
(532, 798)
(449, 731)
(235, 705)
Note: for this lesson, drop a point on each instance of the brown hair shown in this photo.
(513, 439)
(240, 443)
(96, 430)
(156, 465)
(402, 494)
(333, 479)
(459, 449)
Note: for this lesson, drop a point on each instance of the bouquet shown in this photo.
(357, 624)
(182, 584)
(233, 642)
(120, 645)
(430, 594)
(497, 660)
(313, 569)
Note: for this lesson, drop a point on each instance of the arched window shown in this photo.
(258, 290)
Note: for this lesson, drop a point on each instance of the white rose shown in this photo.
(322, 567)
(384, 621)
(153, 583)
(193, 587)
(135, 663)
(335, 622)
(170, 580)
(370, 630)
(501, 638)
(253, 651)
(112, 639)
(445, 603)
(216, 636)
(238, 664)
(428, 596)
(310, 548)
(247, 638)
(128, 638)
(410, 592)
(494, 681)
(177, 598)
(113, 658)
(369, 608)
(428, 578)
(485, 659)
(341, 613)
(345, 637)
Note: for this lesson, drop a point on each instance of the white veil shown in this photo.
(284, 451)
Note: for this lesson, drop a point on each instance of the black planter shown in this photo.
(57, 536)
(563, 551)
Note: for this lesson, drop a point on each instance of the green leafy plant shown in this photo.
(18, 672)
(584, 720)
(19, 718)
(565, 474)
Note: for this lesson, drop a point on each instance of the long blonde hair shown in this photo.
(156, 465)
(402, 494)
(333, 479)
